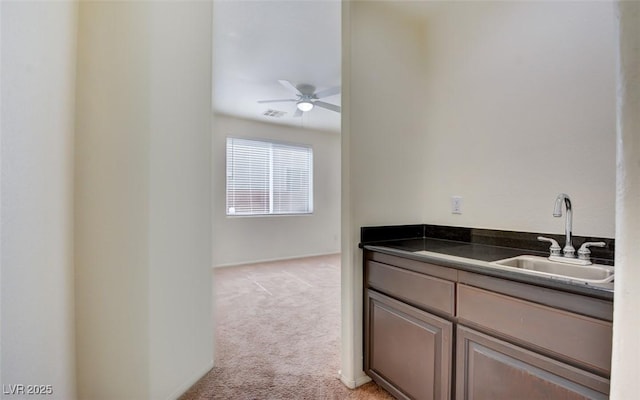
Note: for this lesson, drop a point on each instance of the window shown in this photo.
(268, 178)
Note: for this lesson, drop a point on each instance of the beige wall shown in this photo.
(240, 240)
(387, 117)
(37, 123)
(626, 319)
(111, 211)
(180, 334)
(383, 145)
(506, 104)
(143, 202)
(520, 106)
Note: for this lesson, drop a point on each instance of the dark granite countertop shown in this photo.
(476, 257)
(458, 249)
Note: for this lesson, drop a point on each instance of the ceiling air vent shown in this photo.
(273, 113)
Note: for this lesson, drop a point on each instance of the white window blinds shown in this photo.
(268, 178)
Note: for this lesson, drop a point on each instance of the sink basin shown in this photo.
(593, 273)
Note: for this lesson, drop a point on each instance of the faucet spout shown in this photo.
(568, 250)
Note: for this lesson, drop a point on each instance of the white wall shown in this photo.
(504, 103)
(143, 203)
(38, 78)
(241, 240)
(520, 106)
(626, 349)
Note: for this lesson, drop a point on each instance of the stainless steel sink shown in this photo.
(593, 273)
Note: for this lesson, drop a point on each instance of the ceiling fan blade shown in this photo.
(328, 106)
(275, 101)
(290, 86)
(298, 113)
(328, 92)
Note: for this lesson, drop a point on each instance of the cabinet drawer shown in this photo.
(423, 291)
(578, 339)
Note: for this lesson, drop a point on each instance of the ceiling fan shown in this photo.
(307, 97)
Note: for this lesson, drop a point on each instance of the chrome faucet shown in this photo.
(568, 250)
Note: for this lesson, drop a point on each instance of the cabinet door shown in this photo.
(488, 368)
(407, 351)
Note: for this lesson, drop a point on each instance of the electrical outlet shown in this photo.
(456, 204)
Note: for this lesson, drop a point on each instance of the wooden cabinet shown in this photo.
(408, 351)
(423, 291)
(512, 340)
(570, 337)
(489, 368)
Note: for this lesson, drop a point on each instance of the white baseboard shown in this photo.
(195, 378)
(352, 384)
(235, 264)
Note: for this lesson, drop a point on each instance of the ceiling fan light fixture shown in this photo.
(304, 105)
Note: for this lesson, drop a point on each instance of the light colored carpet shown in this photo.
(278, 334)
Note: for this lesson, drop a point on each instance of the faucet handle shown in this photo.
(555, 248)
(584, 253)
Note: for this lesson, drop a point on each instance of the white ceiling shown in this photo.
(257, 43)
